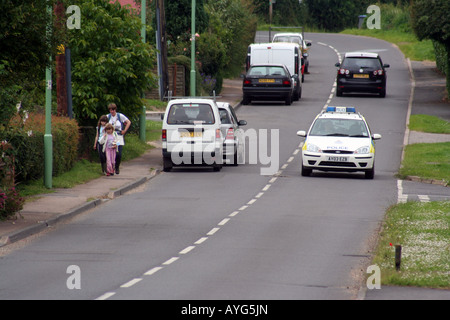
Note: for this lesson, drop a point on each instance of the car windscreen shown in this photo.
(195, 113)
(224, 116)
(267, 71)
(361, 63)
(339, 127)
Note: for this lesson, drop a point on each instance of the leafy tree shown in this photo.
(335, 15)
(109, 61)
(24, 53)
(234, 24)
(285, 12)
(430, 20)
(178, 17)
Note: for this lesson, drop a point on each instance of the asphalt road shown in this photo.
(236, 234)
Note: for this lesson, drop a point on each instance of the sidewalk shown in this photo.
(63, 204)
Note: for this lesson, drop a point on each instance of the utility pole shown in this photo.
(142, 119)
(161, 44)
(61, 85)
(48, 139)
(193, 50)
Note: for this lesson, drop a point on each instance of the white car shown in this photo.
(191, 134)
(234, 140)
(339, 140)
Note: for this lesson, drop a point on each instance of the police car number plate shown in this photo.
(338, 159)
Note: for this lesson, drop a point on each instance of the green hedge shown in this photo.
(441, 56)
(23, 144)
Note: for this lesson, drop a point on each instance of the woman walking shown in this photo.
(121, 125)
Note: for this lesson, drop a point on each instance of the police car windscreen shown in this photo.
(339, 127)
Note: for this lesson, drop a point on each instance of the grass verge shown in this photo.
(408, 43)
(422, 231)
(427, 161)
(427, 123)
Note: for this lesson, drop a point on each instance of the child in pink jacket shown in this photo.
(109, 142)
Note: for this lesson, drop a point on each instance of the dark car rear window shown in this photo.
(190, 113)
(267, 71)
(361, 63)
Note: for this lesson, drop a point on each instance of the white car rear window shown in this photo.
(195, 113)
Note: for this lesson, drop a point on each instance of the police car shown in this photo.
(339, 140)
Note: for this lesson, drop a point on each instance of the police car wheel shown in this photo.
(370, 174)
(306, 172)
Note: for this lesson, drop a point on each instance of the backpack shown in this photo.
(118, 118)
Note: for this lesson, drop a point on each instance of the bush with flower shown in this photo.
(10, 202)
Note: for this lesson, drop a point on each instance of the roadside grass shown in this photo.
(427, 123)
(422, 229)
(84, 170)
(427, 161)
(155, 105)
(407, 42)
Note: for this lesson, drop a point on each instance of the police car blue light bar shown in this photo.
(341, 109)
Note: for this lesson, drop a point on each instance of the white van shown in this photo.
(293, 37)
(191, 134)
(288, 54)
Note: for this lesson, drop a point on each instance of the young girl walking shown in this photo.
(109, 142)
(100, 130)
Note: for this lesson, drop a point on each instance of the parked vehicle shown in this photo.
(268, 82)
(191, 134)
(288, 54)
(293, 37)
(233, 143)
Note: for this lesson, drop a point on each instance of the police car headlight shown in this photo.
(312, 148)
(363, 150)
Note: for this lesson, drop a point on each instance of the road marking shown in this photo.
(224, 221)
(170, 261)
(251, 201)
(424, 198)
(131, 283)
(259, 195)
(213, 230)
(290, 159)
(401, 198)
(152, 271)
(106, 296)
(187, 249)
(273, 180)
(266, 187)
(201, 240)
(233, 213)
(243, 208)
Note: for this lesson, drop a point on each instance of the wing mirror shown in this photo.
(301, 133)
(376, 136)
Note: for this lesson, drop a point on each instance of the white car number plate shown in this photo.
(338, 159)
